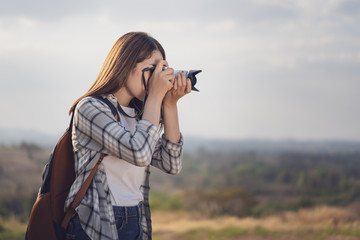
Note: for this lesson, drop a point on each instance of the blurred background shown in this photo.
(272, 140)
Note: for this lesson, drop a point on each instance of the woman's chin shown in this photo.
(141, 98)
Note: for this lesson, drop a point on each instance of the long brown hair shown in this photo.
(130, 49)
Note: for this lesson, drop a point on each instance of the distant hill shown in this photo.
(14, 136)
(271, 146)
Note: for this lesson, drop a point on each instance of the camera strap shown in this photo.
(139, 111)
(127, 115)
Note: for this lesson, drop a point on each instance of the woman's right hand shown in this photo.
(161, 81)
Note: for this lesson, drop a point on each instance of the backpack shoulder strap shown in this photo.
(80, 194)
(110, 105)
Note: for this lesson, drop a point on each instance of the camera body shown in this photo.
(191, 74)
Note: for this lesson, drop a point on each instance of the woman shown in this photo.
(136, 80)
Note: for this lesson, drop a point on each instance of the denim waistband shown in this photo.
(128, 211)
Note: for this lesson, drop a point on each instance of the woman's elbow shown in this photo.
(143, 159)
(175, 170)
(141, 153)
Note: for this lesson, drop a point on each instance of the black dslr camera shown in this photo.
(191, 74)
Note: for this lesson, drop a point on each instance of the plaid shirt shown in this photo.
(96, 131)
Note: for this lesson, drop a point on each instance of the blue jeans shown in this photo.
(128, 224)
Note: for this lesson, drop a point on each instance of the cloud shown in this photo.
(160, 10)
(46, 10)
(349, 8)
(279, 68)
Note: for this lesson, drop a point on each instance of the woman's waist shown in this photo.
(129, 211)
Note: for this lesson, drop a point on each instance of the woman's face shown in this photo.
(134, 84)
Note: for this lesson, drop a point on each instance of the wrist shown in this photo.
(154, 100)
(170, 104)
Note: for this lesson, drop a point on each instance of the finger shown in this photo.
(168, 74)
(168, 71)
(188, 85)
(170, 85)
(171, 78)
(179, 81)
(175, 85)
(183, 82)
(160, 65)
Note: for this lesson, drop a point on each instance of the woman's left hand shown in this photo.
(181, 87)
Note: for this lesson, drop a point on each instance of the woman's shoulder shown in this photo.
(90, 102)
(85, 102)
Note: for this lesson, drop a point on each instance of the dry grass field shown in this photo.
(316, 223)
(319, 223)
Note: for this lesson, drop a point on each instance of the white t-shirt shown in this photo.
(124, 179)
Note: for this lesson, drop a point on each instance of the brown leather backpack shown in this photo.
(48, 221)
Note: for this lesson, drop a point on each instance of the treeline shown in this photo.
(212, 183)
(18, 205)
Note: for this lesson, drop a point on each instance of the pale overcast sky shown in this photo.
(272, 69)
